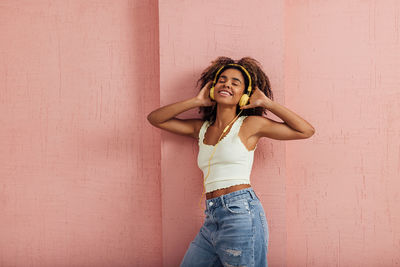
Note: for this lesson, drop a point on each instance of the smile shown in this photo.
(224, 92)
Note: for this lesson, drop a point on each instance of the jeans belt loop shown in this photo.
(253, 195)
(222, 200)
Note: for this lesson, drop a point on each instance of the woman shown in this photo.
(232, 94)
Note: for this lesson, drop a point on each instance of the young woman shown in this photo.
(232, 99)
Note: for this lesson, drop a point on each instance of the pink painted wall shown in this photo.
(85, 180)
(342, 71)
(80, 165)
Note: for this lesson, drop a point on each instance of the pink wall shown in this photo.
(79, 174)
(342, 71)
(85, 180)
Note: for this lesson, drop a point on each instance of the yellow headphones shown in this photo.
(245, 97)
(242, 102)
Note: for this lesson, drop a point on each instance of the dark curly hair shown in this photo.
(258, 78)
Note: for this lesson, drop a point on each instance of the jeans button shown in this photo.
(210, 203)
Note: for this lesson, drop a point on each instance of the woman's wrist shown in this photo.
(195, 102)
(268, 104)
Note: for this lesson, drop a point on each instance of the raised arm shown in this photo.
(164, 117)
(292, 127)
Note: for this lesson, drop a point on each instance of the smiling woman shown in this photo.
(230, 84)
(233, 98)
(242, 80)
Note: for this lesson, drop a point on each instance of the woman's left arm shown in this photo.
(293, 127)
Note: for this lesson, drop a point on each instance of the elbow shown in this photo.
(310, 133)
(150, 119)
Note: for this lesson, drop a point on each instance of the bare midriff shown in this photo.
(223, 191)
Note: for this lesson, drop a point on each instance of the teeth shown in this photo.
(224, 92)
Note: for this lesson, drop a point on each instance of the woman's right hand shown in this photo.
(204, 95)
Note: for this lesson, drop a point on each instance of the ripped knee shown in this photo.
(234, 253)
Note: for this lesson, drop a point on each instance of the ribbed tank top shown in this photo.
(232, 161)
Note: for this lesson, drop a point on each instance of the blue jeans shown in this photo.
(234, 233)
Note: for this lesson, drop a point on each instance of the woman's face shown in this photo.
(229, 87)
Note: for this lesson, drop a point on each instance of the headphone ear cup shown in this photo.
(243, 100)
(212, 93)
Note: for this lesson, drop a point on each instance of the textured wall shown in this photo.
(192, 33)
(342, 70)
(80, 166)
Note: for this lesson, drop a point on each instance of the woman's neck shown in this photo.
(224, 116)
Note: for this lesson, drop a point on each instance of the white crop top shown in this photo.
(232, 161)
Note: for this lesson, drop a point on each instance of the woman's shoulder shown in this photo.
(252, 123)
(250, 118)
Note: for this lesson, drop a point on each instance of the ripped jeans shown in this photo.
(235, 233)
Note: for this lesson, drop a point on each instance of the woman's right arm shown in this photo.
(164, 117)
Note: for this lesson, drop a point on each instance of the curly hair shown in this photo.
(258, 77)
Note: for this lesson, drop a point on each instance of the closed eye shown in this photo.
(235, 84)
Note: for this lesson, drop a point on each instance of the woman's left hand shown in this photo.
(258, 99)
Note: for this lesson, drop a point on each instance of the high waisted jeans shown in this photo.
(235, 233)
